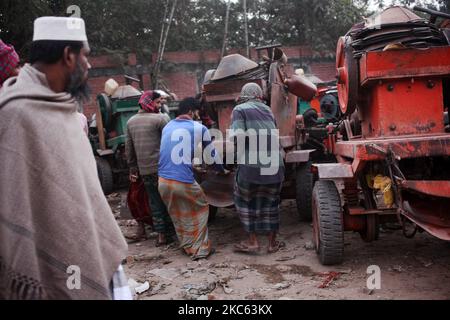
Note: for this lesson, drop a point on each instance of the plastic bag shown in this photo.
(138, 202)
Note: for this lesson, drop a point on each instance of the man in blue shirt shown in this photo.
(184, 198)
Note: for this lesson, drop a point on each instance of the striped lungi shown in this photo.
(258, 206)
(189, 211)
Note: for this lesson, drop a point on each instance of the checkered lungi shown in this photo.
(189, 211)
(258, 206)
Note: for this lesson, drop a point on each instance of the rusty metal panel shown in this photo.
(404, 147)
(218, 189)
(431, 214)
(283, 105)
(360, 211)
(232, 65)
(224, 117)
(432, 188)
(405, 64)
(404, 107)
(223, 97)
(334, 171)
(228, 87)
(354, 223)
(298, 156)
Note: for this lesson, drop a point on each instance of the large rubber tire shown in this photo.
(106, 110)
(328, 223)
(105, 175)
(304, 181)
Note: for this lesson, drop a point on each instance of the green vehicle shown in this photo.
(108, 135)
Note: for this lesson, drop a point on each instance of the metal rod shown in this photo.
(246, 29)
(225, 35)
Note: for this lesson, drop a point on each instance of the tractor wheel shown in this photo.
(105, 110)
(304, 181)
(328, 223)
(372, 232)
(348, 76)
(105, 175)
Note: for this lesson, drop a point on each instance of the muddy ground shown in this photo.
(410, 269)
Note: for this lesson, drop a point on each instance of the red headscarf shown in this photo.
(9, 60)
(147, 101)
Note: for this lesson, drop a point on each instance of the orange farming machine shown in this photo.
(392, 148)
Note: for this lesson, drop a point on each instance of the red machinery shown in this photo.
(392, 149)
(281, 88)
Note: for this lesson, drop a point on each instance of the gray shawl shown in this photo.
(53, 213)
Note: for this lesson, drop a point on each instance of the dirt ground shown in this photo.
(410, 269)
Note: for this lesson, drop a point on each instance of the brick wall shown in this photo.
(324, 70)
(104, 68)
(183, 72)
(182, 84)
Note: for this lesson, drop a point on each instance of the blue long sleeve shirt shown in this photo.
(180, 146)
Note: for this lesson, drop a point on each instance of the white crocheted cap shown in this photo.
(60, 29)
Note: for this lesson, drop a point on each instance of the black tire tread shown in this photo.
(105, 175)
(330, 217)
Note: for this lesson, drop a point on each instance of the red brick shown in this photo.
(147, 81)
(324, 71)
(184, 85)
(132, 60)
(103, 62)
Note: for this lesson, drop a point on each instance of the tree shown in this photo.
(116, 26)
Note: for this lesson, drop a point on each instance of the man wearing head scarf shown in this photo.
(164, 97)
(9, 62)
(142, 147)
(58, 236)
(258, 181)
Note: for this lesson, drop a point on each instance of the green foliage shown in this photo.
(116, 26)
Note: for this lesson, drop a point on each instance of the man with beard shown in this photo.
(58, 237)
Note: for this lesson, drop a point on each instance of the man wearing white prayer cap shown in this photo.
(164, 96)
(58, 236)
(163, 93)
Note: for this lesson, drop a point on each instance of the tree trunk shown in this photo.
(246, 28)
(163, 46)
(163, 28)
(225, 36)
(257, 11)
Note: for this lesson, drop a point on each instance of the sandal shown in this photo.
(278, 245)
(168, 241)
(245, 248)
